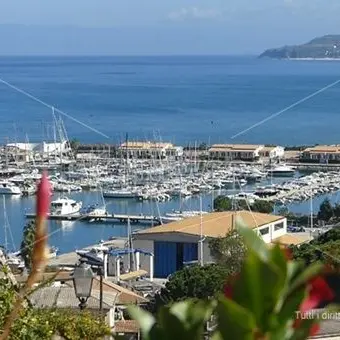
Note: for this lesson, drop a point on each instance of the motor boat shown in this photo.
(65, 206)
(8, 188)
(281, 171)
(95, 255)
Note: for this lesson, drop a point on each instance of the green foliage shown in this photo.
(326, 210)
(264, 302)
(27, 243)
(229, 251)
(35, 324)
(326, 248)
(223, 203)
(263, 206)
(195, 282)
(74, 144)
(181, 321)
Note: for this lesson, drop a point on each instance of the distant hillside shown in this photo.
(324, 47)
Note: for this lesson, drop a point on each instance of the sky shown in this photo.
(161, 26)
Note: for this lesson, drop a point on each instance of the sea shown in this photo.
(181, 99)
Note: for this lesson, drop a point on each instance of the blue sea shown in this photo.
(179, 99)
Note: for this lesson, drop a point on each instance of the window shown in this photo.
(278, 226)
(264, 231)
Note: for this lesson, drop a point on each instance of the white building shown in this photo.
(175, 243)
(30, 151)
(245, 152)
(150, 150)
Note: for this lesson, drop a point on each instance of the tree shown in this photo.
(283, 211)
(222, 203)
(336, 210)
(74, 144)
(28, 243)
(199, 282)
(326, 210)
(263, 206)
(229, 251)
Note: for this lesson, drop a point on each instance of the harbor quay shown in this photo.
(104, 190)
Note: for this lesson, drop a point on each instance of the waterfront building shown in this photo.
(321, 154)
(26, 152)
(150, 150)
(245, 152)
(177, 243)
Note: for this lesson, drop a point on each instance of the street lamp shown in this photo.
(82, 281)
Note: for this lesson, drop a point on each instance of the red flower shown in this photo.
(43, 196)
(318, 291)
(228, 287)
(314, 330)
(287, 253)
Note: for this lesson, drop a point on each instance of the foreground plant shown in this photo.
(39, 253)
(269, 299)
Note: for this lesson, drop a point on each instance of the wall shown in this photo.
(272, 233)
(146, 245)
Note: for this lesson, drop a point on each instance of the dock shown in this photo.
(120, 218)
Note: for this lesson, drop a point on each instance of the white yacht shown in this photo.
(281, 171)
(94, 254)
(121, 193)
(8, 188)
(65, 206)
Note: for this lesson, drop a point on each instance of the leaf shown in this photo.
(278, 258)
(303, 331)
(145, 320)
(312, 271)
(253, 241)
(291, 305)
(259, 288)
(234, 321)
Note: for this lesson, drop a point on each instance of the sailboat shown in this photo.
(12, 258)
(97, 211)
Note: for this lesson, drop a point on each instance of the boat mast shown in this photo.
(201, 233)
(126, 158)
(5, 226)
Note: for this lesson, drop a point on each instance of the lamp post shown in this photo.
(82, 281)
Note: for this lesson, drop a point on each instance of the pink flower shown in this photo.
(43, 196)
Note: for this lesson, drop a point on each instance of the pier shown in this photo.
(121, 218)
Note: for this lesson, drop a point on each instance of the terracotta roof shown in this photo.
(146, 145)
(126, 326)
(289, 239)
(268, 148)
(215, 224)
(234, 147)
(125, 296)
(324, 149)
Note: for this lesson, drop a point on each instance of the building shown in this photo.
(321, 154)
(115, 300)
(150, 150)
(272, 152)
(32, 151)
(245, 152)
(176, 243)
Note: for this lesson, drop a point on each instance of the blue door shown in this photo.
(165, 258)
(190, 252)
